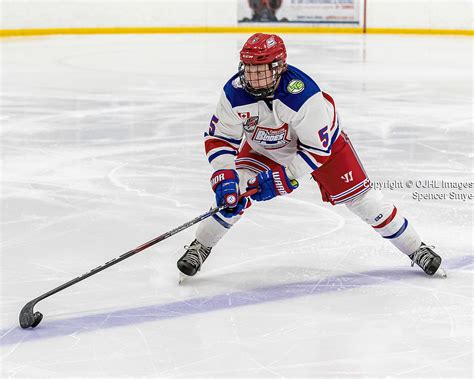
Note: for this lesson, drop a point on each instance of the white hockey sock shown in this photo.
(212, 229)
(386, 220)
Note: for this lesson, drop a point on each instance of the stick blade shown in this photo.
(28, 318)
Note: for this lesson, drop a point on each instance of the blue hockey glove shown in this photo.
(225, 184)
(271, 183)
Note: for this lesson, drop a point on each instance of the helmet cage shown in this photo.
(275, 69)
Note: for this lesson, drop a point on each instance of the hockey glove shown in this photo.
(225, 184)
(271, 183)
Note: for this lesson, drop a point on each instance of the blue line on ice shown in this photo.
(90, 323)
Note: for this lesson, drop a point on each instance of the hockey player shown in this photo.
(273, 125)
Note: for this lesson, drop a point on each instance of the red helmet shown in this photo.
(263, 48)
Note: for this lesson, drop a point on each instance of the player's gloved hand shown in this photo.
(271, 183)
(225, 184)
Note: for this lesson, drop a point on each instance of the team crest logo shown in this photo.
(271, 42)
(230, 199)
(271, 138)
(295, 86)
(250, 124)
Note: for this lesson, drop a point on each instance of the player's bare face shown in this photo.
(259, 76)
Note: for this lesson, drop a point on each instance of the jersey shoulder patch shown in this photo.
(295, 88)
(236, 95)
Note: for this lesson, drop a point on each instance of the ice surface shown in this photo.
(101, 142)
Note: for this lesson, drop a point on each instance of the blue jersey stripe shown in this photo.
(222, 152)
(222, 222)
(335, 197)
(351, 197)
(231, 140)
(307, 160)
(400, 231)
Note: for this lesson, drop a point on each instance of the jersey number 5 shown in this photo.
(324, 136)
(212, 125)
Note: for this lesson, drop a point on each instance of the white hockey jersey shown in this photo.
(296, 129)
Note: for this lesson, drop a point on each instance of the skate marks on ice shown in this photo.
(199, 305)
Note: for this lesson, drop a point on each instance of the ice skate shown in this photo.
(428, 260)
(190, 263)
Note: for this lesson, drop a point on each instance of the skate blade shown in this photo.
(441, 273)
(182, 278)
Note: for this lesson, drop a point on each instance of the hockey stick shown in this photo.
(29, 318)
